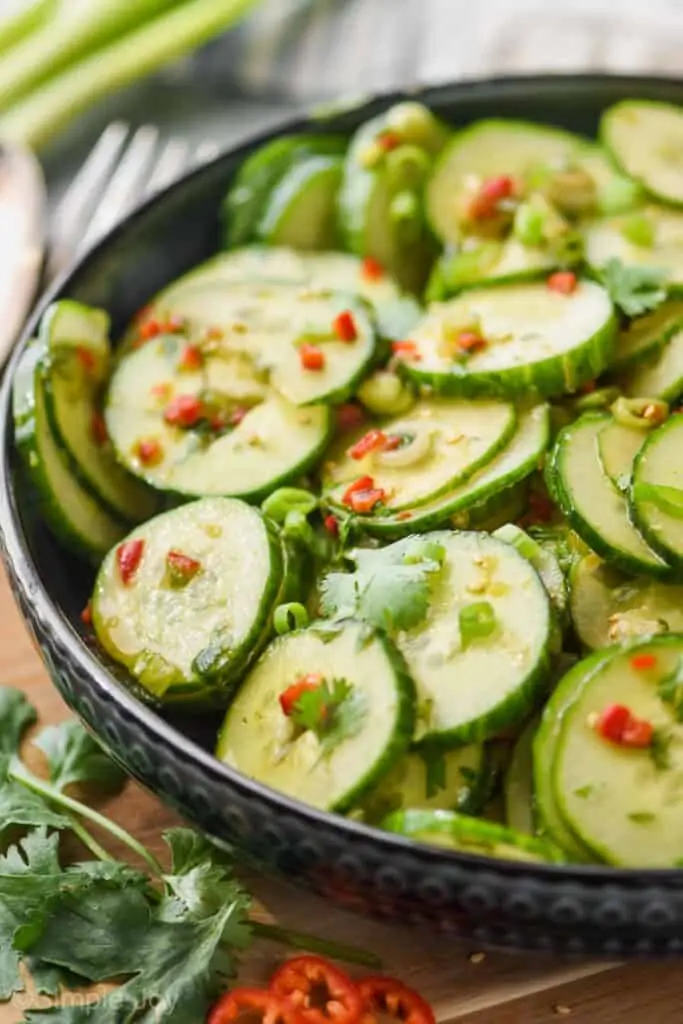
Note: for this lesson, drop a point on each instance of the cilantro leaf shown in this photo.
(670, 690)
(390, 588)
(334, 711)
(16, 715)
(74, 756)
(633, 289)
(20, 807)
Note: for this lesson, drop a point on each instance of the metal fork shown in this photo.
(124, 168)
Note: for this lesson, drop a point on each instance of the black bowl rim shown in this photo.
(19, 558)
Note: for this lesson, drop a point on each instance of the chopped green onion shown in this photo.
(639, 230)
(415, 123)
(641, 413)
(477, 621)
(469, 265)
(425, 551)
(280, 503)
(599, 399)
(529, 224)
(297, 527)
(666, 499)
(618, 195)
(518, 539)
(407, 166)
(289, 617)
(385, 394)
(405, 214)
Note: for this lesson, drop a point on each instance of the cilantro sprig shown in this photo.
(334, 711)
(170, 936)
(634, 290)
(390, 588)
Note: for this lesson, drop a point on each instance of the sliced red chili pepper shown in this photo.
(371, 269)
(98, 429)
(404, 515)
(363, 483)
(373, 441)
(237, 415)
(150, 329)
(382, 995)
(184, 411)
(250, 1004)
(406, 350)
(345, 326)
(470, 342)
(485, 203)
(162, 392)
(389, 141)
(128, 558)
(643, 662)
(312, 357)
(181, 567)
(86, 615)
(618, 724)
(331, 525)
(86, 359)
(563, 281)
(318, 991)
(392, 442)
(191, 358)
(290, 697)
(149, 451)
(349, 416)
(365, 501)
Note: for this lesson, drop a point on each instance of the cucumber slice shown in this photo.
(445, 443)
(259, 175)
(518, 785)
(647, 335)
(607, 239)
(594, 507)
(607, 607)
(550, 821)
(380, 210)
(618, 447)
(71, 513)
(470, 691)
(496, 480)
(461, 834)
(74, 339)
(274, 443)
(456, 780)
(484, 150)
(324, 271)
(333, 772)
(645, 139)
(301, 209)
(656, 510)
(268, 323)
(659, 377)
(615, 193)
(489, 263)
(544, 561)
(187, 642)
(625, 804)
(538, 341)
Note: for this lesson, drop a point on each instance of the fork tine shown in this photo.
(82, 196)
(126, 186)
(174, 158)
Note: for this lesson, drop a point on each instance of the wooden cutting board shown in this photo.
(464, 985)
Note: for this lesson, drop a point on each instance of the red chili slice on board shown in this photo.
(320, 992)
(252, 1004)
(387, 996)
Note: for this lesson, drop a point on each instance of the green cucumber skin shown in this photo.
(437, 291)
(549, 820)
(25, 431)
(290, 191)
(260, 173)
(604, 138)
(673, 557)
(399, 742)
(521, 753)
(619, 559)
(648, 352)
(547, 378)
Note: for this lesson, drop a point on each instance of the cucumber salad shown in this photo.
(392, 486)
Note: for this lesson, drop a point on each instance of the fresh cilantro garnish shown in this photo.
(670, 690)
(435, 770)
(334, 711)
(633, 289)
(168, 938)
(390, 588)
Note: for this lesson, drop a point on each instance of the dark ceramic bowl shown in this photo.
(565, 909)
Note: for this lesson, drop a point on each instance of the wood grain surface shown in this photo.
(463, 986)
